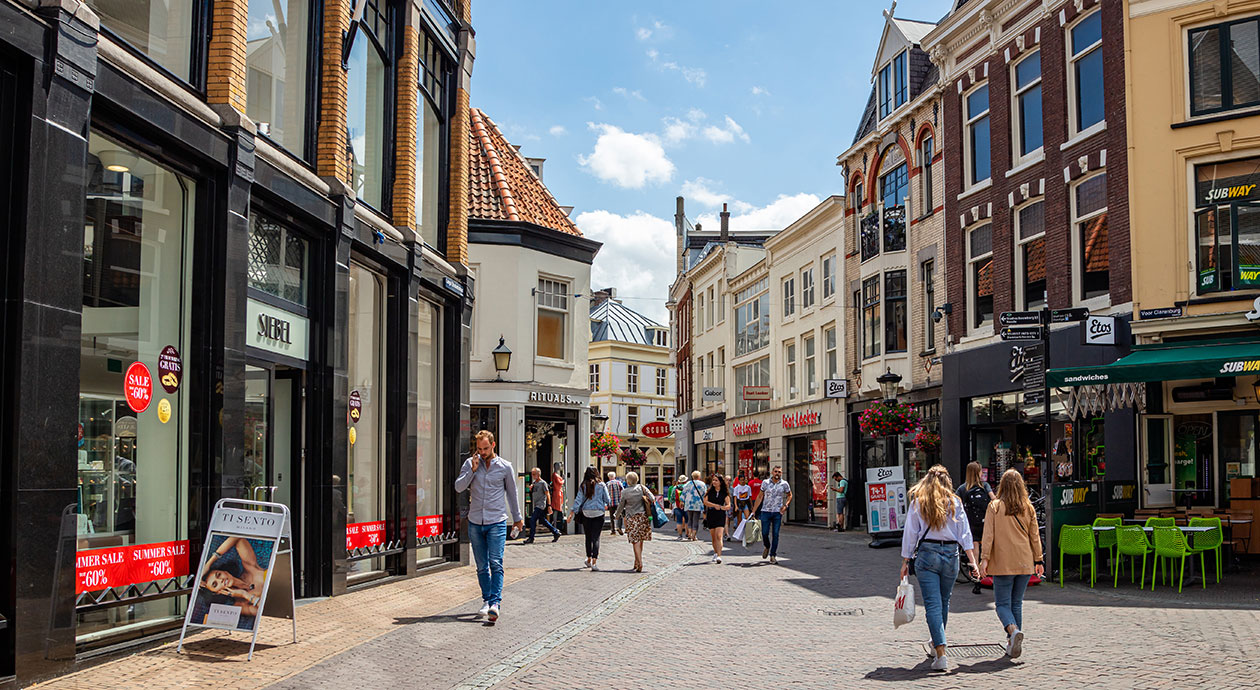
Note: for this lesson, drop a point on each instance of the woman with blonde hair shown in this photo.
(936, 527)
(636, 502)
(1012, 553)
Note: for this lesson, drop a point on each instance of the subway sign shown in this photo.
(1242, 366)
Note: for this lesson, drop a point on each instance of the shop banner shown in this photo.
(120, 566)
(885, 499)
(818, 468)
(361, 534)
(428, 526)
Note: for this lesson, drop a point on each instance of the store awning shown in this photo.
(1165, 363)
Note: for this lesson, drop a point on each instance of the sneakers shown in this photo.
(718, 560)
(940, 663)
(587, 563)
(555, 537)
(774, 561)
(594, 568)
(484, 611)
(493, 615)
(528, 541)
(765, 553)
(1015, 644)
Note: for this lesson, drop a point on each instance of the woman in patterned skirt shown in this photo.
(635, 503)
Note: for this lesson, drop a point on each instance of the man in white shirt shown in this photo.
(774, 499)
(491, 483)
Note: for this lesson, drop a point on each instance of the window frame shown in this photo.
(926, 153)
(869, 318)
(789, 368)
(809, 352)
(893, 84)
(632, 378)
(831, 351)
(927, 274)
(969, 122)
(593, 377)
(807, 287)
(1021, 280)
(389, 48)
(1018, 93)
(973, 295)
(662, 382)
(749, 301)
(566, 312)
(890, 307)
(632, 419)
(898, 179)
(198, 49)
(829, 276)
(1073, 57)
(789, 296)
(1078, 245)
(1224, 64)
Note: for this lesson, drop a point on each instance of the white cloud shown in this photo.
(652, 54)
(774, 216)
(699, 190)
(627, 159)
(643, 33)
(595, 102)
(696, 115)
(660, 29)
(557, 131)
(694, 75)
(758, 91)
(623, 91)
(677, 130)
(726, 134)
(637, 258)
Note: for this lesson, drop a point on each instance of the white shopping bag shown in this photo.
(752, 531)
(903, 605)
(738, 534)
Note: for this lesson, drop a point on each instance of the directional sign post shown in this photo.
(1020, 318)
(1068, 315)
(1022, 333)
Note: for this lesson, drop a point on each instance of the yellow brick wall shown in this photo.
(225, 64)
(405, 172)
(457, 227)
(331, 158)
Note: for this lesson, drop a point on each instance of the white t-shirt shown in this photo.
(773, 495)
(742, 492)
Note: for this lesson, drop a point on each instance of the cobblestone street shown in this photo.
(821, 617)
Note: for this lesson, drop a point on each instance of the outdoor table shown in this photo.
(1189, 494)
(1183, 528)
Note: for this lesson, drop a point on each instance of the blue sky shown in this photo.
(634, 103)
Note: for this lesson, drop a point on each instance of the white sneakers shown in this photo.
(594, 568)
(1015, 644)
(493, 615)
(940, 663)
(485, 611)
(718, 560)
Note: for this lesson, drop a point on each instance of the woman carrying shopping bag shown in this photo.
(1012, 553)
(936, 527)
(636, 506)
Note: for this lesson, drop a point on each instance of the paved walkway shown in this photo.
(820, 618)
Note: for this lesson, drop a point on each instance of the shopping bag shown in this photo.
(738, 534)
(903, 605)
(658, 516)
(752, 532)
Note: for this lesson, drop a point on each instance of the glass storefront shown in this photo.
(1189, 459)
(133, 389)
(365, 501)
(1005, 433)
(806, 472)
(752, 457)
(711, 458)
(429, 478)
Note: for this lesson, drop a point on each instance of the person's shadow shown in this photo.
(442, 618)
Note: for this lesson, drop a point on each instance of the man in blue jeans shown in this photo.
(491, 483)
(773, 501)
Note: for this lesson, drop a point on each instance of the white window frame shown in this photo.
(1074, 128)
(721, 307)
(700, 313)
(1020, 282)
(632, 419)
(972, 295)
(662, 382)
(1078, 251)
(709, 320)
(829, 277)
(809, 346)
(970, 121)
(789, 296)
(831, 352)
(594, 377)
(543, 294)
(661, 412)
(1017, 129)
(632, 378)
(807, 287)
(789, 365)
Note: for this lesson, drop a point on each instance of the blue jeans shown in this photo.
(936, 568)
(1008, 595)
(487, 547)
(540, 515)
(771, 521)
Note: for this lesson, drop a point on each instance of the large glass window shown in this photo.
(1090, 221)
(977, 138)
(553, 314)
(870, 317)
(807, 288)
(161, 29)
(1086, 71)
(752, 318)
(893, 85)
(1027, 112)
(1227, 225)
(1225, 66)
(430, 522)
(278, 260)
(894, 187)
(980, 275)
(429, 144)
(277, 36)
(811, 364)
(366, 329)
(896, 314)
(132, 449)
(754, 374)
(368, 102)
(828, 276)
(1030, 256)
(789, 297)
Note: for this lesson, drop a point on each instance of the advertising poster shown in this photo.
(818, 468)
(364, 534)
(119, 566)
(746, 457)
(885, 499)
(229, 594)
(428, 526)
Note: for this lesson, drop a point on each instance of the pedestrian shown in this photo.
(591, 502)
(541, 499)
(717, 500)
(841, 486)
(975, 494)
(693, 500)
(557, 498)
(635, 508)
(1012, 553)
(730, 511)
(615, 487)
(743, 496)
(755, 485)
(773, 499)
(680, 514)
(936, 527)
(491, 485)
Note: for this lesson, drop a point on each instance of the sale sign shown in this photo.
(138, 387)
(428, 526)
(818, 467)
(746, 457)
(364, 534)
(119, 566)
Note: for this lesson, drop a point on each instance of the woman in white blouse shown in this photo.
(936, 527)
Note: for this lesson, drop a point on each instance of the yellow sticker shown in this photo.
(164, 410)
(353, 435)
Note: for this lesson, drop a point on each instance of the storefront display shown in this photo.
(430, 480)
(367, 464)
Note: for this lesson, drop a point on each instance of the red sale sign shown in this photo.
(120, 566)
(878, 492)
(138, 387)
(362, 534)
(428, 526)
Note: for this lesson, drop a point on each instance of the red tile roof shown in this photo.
(501, 185)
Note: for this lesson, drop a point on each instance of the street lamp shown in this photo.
(599, 423)
(888, 384)
(502, 359)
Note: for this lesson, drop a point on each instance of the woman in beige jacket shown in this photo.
(1011, 552)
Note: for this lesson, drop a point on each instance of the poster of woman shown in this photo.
(233, 578)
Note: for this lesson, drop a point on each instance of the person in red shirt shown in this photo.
(557, 499)
(755, 483)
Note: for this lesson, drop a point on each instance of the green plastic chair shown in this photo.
(1209, 541)
(1078, 540)
(1131, 542)
(1107, 540)
(1170, 543)
(1159, 522)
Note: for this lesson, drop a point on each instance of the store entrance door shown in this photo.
(274, 450)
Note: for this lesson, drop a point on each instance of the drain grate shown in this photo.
(841, 612)
(969, 651)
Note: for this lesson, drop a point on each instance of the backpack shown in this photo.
(975, 502)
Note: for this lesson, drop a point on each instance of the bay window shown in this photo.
(976, 139)
(1089, 221)
(980, 276)
(1085, 72)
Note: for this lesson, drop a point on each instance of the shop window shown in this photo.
(430, 481)
(369, 100)
(1093, 263)
(1030, 256)
(894, 188)
(870, 317)
(632, 419)
(1227, 226)
(753, 374)
(928, 272)
(789, 297)
(632, 378)
(811, 365)
(366, 369)
(1026, 114)
(277, 261)
(163, 30)
(789, 358)
(1085, 72)
(980, 276)
(896, 314)
(594, 377)
(833, 361)
(925, 176)
(752, 318)
(483, 417)
(828, 277)
(976, 140)
(277, 50)
(1225, 66)
(553, 316)
(133, 465)
(662, 382)
(807, 288)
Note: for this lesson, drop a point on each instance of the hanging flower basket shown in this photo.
(633, 457)
(928, 442)
(603, 445)
(888, 419)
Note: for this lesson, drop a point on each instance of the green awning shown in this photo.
(1166, 363)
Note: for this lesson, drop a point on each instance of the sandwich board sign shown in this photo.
(249, 544)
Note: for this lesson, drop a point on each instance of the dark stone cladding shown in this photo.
(531, 236)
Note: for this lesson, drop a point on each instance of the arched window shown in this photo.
(894, 190)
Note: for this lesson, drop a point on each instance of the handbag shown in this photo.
(655, 515)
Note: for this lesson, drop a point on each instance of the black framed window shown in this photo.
(870, 236)
(1227, 225)
(432, 137)
(870, 317)
(280, 41)
(928, 271)
(370, 100)
(1225, 66)
(894, 187)
(895, 313)
(171, 33)
(925, 156)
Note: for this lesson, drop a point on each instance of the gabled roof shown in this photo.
(501, 185)
(913, 29)
(612, 320)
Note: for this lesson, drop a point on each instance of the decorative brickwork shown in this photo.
(408, 100)
(331, 157)
(225, 64)
(457, 225)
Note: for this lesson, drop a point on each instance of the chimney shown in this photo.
(725, 234)
(680, 232)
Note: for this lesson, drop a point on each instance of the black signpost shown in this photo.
(1022, 333)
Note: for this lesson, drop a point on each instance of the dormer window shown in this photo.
(893, 85)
